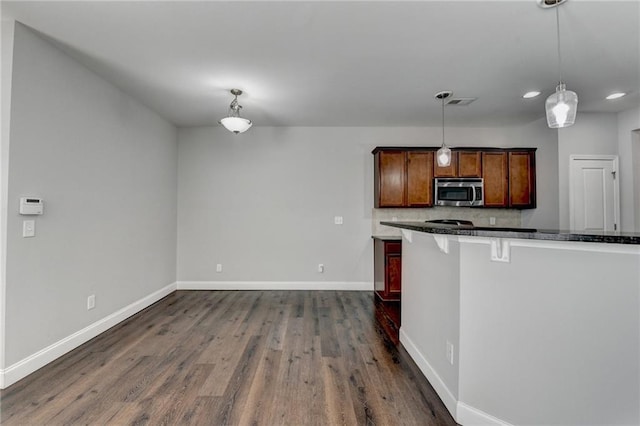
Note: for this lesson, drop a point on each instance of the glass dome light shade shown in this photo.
(561, 107)
(443, 156)
(236, 124)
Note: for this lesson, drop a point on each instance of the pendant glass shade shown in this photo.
(561, 107)
(233, 122)
(236, 124)
(444, 156)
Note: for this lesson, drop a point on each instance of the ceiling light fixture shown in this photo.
(531, 94)
(562, 105)
(233, 122)
(616, 95)
(444, 153)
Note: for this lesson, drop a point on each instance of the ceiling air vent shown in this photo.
(460, 101)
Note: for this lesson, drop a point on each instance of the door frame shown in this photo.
(616, 185)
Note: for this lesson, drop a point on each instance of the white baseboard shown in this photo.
(462, 413)
(28, 365)
(470, 416)
(430, 373)
(276, 285)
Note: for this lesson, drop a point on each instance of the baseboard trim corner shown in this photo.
(462, 413)
(28, 365)
(430, 373)
(276, 285)
(468, 415)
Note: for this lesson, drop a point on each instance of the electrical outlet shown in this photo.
(450, 352)
(338, 220)
(321, 268)
(492, 220)
(219, 267)
(91, 302)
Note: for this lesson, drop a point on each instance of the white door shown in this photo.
(594, 204)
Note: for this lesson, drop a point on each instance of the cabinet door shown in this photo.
(469, 164)
(394, 276)
(393, 267)
(391, 170)
(419, 178)
(450, 171)
(522, 180)
(496, 179)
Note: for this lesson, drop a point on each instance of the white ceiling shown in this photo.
(349, 63)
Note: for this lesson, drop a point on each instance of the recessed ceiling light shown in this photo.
(616, 95)
(531, 94)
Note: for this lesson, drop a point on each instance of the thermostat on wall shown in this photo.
(30, 205)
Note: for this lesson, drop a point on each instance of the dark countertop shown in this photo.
(387, 237)
(521, 233)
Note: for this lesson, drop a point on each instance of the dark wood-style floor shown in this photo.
(234, 358)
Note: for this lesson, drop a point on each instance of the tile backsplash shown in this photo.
(479, 217)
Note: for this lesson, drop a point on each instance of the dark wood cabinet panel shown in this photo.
(450, 171)
(469, 164)
(394, 275)
(404, 175)
(419, 178)
(387, 268)
(390, 174)
(393, 267)
(403, 178)
(496, 179)
(522, 179)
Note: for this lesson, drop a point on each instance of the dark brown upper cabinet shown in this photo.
(469, 164)
(463, 164)
(495, 173)
(403, 177)
(449, 171)
(522, 179)
(509, 178)
(419, 178)
(390, 176)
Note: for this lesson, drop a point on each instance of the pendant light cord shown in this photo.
(442, 121)
(558, 34)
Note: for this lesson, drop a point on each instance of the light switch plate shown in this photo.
(28, 228)
(338, 220)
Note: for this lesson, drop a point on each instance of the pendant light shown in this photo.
(562, 105)
(444, 153)
(233, 122)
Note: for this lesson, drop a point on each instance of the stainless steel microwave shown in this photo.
(459, 192)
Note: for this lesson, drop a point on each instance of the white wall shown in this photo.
(431, 311)
(593, 133)
(106, 168)
(7, 27)
(629, 151)
(635, 142)
(553, 337)
(262, 203)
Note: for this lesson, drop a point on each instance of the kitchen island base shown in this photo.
(520, 331)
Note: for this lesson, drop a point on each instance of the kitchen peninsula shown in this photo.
(524, 326)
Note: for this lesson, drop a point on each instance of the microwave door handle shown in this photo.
(473, 190)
